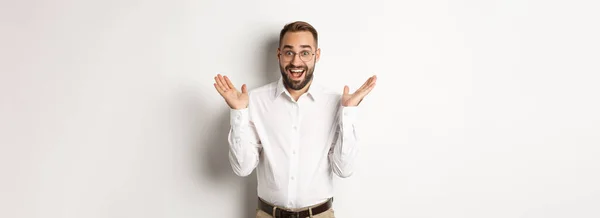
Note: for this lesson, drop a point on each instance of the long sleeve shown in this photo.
(244, 144)
(345, 144)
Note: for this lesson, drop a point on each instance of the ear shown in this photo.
(278, 51)
(318, 54)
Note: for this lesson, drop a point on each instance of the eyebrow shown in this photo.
(301, 46)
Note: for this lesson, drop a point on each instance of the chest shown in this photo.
(308, 121)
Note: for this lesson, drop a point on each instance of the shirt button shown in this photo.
(295, 127)
(293, 151)
(293, 178)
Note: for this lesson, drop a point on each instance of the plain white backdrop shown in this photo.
(482, 108)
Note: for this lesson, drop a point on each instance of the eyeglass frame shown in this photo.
(297, 54)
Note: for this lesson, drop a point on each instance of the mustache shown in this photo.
(291, 66)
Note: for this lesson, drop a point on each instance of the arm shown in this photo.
(244, 144)
(344, 149)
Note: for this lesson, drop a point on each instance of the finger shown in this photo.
(371, 87)
(219, 85)
(220, 82)
(244, 89)
(365, 84)
(373, 79)
(229, 83)
(368, 89)
(223, 82)
(346, 90)
(219, 90)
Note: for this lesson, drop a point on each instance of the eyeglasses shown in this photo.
(305, 56)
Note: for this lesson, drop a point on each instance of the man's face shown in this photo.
(297, 70)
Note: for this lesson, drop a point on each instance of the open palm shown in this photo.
(349, 100)
(234, 98)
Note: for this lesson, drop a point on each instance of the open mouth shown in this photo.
(296, 74)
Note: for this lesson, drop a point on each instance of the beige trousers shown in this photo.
(326, 214)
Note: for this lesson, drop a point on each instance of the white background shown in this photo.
(482, 108)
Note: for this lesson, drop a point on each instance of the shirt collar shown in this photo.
(312, 91)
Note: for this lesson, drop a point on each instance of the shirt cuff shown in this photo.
(349, 115)
(238, 117)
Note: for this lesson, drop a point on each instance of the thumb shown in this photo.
(346, 90)
(244, 89)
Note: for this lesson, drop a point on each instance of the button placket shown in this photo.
(294, 139)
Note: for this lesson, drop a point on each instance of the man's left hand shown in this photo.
(351, 100)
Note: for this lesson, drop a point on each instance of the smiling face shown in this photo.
(297, 54)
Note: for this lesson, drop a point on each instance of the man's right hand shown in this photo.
(234, 98)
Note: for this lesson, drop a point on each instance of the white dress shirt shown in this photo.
(295, 146)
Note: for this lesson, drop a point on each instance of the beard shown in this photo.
(296, 84)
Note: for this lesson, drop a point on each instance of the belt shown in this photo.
(282, 213)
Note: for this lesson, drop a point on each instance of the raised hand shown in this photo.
(349, 100)
(234, 98)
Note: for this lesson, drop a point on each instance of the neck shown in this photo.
(297, 93)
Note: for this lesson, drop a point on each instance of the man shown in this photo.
(294, 132)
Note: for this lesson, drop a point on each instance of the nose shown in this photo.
(296, 60)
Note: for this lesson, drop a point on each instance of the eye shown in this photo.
(305, 53)
(289, 53)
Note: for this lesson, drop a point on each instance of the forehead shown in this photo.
(298, 39)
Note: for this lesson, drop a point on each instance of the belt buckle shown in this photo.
(289, 214)
(294, 215)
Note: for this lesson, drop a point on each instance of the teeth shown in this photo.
(297, 71)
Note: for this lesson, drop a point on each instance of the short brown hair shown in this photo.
(299, 26)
